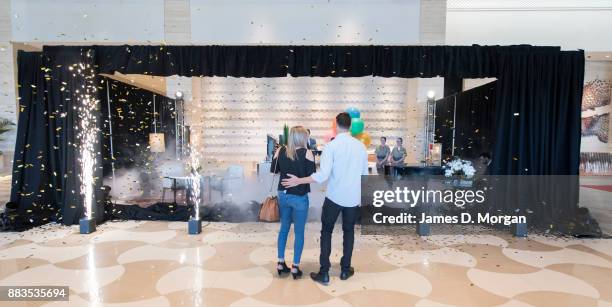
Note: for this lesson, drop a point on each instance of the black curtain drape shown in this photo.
(543, 85)
(475, 121)
(473, 116)
(131, 111)
(46, 177)
(445, 119)
(37, 173)
(452, 86)
(537, 117)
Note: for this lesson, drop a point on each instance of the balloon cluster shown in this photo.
(357, 126)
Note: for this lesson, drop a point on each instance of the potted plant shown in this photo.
(285, 134)
(460, 171)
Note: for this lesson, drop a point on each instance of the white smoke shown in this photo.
(138, 184)
(237, 188)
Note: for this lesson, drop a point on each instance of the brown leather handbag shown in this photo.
(269, 207)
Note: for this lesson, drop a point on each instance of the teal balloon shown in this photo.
(357, 125)
(353, 112)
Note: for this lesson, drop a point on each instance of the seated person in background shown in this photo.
(482, 164)
(382, 155)
(312, 143)
(398, 154)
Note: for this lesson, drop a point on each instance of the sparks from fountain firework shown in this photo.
(195, 180)
(87, 134)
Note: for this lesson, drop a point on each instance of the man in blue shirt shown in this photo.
(343, 162)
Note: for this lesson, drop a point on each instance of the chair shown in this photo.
(235, 171)
(231, 178)
(176, 184)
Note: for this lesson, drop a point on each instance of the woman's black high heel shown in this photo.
(298, 273)
(281, 267)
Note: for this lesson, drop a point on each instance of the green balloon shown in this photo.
(356, 126)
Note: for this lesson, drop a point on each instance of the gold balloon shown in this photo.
(365, 138)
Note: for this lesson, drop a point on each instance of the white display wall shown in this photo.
(230, 117)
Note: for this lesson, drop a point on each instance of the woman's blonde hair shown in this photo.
(298, 137)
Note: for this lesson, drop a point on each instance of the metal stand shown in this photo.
(179, 109)
(110, 132)
(454, 124)
(423, 229)
(87, 225)
(194, 226)
(430, 127)
(519, 230)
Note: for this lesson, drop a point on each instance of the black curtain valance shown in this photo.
(192, 61)
(307, 61)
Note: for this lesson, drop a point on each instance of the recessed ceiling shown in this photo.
(151, 83)
(598, 56)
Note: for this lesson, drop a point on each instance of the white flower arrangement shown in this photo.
(458, 167)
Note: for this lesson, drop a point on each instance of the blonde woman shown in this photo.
(294, 159)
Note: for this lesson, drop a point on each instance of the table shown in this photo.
(175, 186)
(413, 169)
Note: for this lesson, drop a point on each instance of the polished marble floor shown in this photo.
(158, 264)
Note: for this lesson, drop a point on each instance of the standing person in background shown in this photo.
(343, 162)
(482, 165)
(398, 154)
(382, 155)
(293, 203)
(312, 143)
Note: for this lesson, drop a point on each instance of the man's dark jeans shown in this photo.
(329, 216)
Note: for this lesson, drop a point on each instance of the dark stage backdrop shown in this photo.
(537, 117)
(542, 84)
(474, 122)
(131, 110)
(46, 183)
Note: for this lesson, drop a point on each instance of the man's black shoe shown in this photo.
(322, 278)
(344, 275)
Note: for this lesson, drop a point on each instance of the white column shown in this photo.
(433, 22)
(177, 22)
(8, 102)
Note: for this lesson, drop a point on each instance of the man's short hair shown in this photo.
(485, 155)
(383, 138)
(343, 120)
(400, 139)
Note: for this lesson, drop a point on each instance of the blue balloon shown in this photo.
(353, 112)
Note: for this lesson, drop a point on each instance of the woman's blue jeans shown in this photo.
(292, 209)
